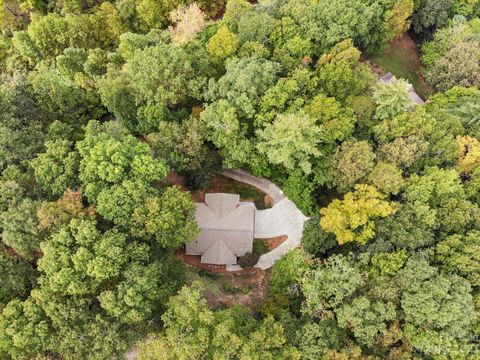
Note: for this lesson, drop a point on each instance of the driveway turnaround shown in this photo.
(284, 218)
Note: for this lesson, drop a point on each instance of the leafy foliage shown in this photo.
(105, 104)
(351, 219)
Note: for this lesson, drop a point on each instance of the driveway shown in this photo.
(284, 218)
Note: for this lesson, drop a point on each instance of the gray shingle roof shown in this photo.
(226, 229)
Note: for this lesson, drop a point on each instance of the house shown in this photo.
(388, 78)
(226, 229)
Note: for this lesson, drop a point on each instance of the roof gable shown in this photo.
(226, 229)
(222, 204)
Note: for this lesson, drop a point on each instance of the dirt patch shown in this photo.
(222, 288)
(174, 179)
(268, 201)
(275, 242)
(255, 282)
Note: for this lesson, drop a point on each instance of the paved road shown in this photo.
(284, 218)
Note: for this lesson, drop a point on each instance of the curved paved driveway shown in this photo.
(284, 218)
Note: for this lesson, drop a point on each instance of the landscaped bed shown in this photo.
(222, 184)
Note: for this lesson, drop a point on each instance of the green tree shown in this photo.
(399, 21)
(460, 66)
(392, 98)
(78, 258)
(17, 277)
(110, 155)
(56, 168)
(243, 84)
(327, 286)
(62, 99)
(301, 190)
(51, 34)
(315, 240)
(367, 319)
(315, 339)
(289, 94)
(24, 329)
(435, 186)
(20, 228)
(337, 122)
(403, 151)
(459, 254)
(223, 44)
(387, 178)
(291, 140)
(417, 123)
(255, 27)
(284, 285)
(331, 22)
(341, 74)
(351, 163)
(143, 288)
(227, 132)
(170, 219)
(21, 126)
(460, 103)
(192, 329)
(431, 15)
(411, 227)
(154, 81)
(118, 202)
(183, 147)
(438, 311)
(234, 10)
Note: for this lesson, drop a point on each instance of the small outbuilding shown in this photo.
(388, 78)
(226, 229)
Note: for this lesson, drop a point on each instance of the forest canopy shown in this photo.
(102, 100)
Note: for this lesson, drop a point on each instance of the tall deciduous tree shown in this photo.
(331, 22)
(329, 285)
(291, 140)
(243, 84)
(56, 169)
(352, 219)
(153, 82)
(391, 98)
(351, 162)
(223, 44)
(438, 311)
(193, 329)
(110, 155)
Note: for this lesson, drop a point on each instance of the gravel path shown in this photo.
(284, 218)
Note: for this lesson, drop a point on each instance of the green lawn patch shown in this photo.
(402, 59)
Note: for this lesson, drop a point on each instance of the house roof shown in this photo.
(226, 229)
(388, 78)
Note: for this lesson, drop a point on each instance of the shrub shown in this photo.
(248, 260)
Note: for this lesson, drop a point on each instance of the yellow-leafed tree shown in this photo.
(469, 148)
(352, 219)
